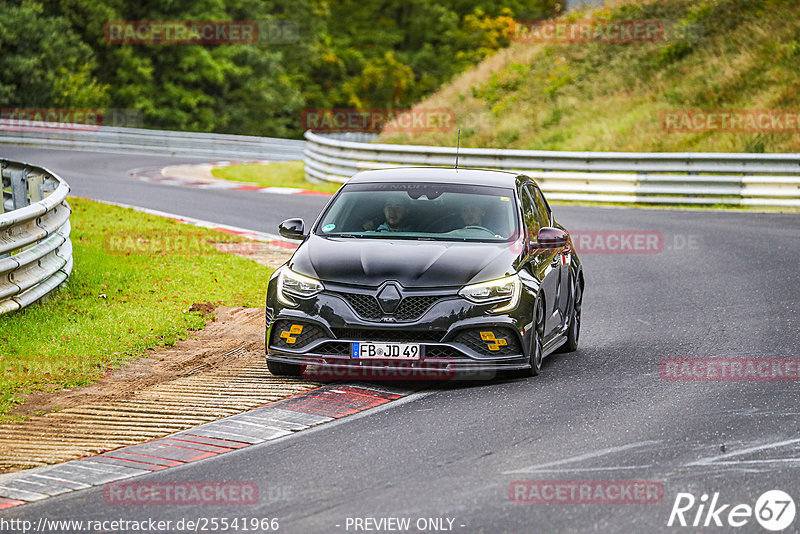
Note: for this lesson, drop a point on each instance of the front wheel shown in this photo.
(537, 345)
(574, 328)
(283, 369)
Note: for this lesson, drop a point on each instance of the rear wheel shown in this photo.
(574, 327)
(537, 335)
(283, 369)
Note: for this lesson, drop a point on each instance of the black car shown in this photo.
(425, 272)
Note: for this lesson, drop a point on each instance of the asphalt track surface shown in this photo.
(724, 285)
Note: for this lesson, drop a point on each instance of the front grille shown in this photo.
(410, 336)
(472, 339)
(365, 305)
(409, 309)
(444, 352)
(333, 348)
(412, 308)
(310, 333)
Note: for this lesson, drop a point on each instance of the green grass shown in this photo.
(281, 174)
(725, 55)
(134, 280)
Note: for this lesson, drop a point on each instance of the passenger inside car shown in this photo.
(465, 214)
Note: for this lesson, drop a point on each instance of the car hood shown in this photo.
(370, 262)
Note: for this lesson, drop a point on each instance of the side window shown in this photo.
(529, 213)
(541, 206)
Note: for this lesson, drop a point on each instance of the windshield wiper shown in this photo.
(419, 238)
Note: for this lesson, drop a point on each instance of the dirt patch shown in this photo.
(205, 350)
(217, 372)
(205, 308)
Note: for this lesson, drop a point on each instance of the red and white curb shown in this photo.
(199, 176)
(255, 235)
(275, 420)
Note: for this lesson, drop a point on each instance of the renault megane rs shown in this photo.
(427, 272)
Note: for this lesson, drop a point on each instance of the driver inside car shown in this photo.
(395, 213)
(472, 215)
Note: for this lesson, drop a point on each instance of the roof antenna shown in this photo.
(458, 145)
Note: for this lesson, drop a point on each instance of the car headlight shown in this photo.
(504, 290)
(292, 284)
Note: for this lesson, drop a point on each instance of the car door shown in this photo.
(563, 290)
(543, 263)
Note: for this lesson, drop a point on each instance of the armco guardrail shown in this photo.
(659, 178)
(141, 141)
(35, 249)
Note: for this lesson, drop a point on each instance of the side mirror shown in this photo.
(292, 229)
(550, 237)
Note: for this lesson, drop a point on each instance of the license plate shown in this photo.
(385, 351)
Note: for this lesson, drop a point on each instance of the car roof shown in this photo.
(438, 175)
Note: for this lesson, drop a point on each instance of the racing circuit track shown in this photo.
(725, 284)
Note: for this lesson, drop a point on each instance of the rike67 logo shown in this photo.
(774, 510)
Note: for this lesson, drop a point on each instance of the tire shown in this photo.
(574, 327)
(537, 347)
(283, 369)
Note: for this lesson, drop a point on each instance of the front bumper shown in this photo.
(448, 328)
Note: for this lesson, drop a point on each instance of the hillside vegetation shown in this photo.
(363, 54)
(722, 55)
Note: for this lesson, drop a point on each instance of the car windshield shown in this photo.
(447, 212)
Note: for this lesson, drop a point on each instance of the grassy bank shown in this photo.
(716, 55)
(280, 174)
(135, 278)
